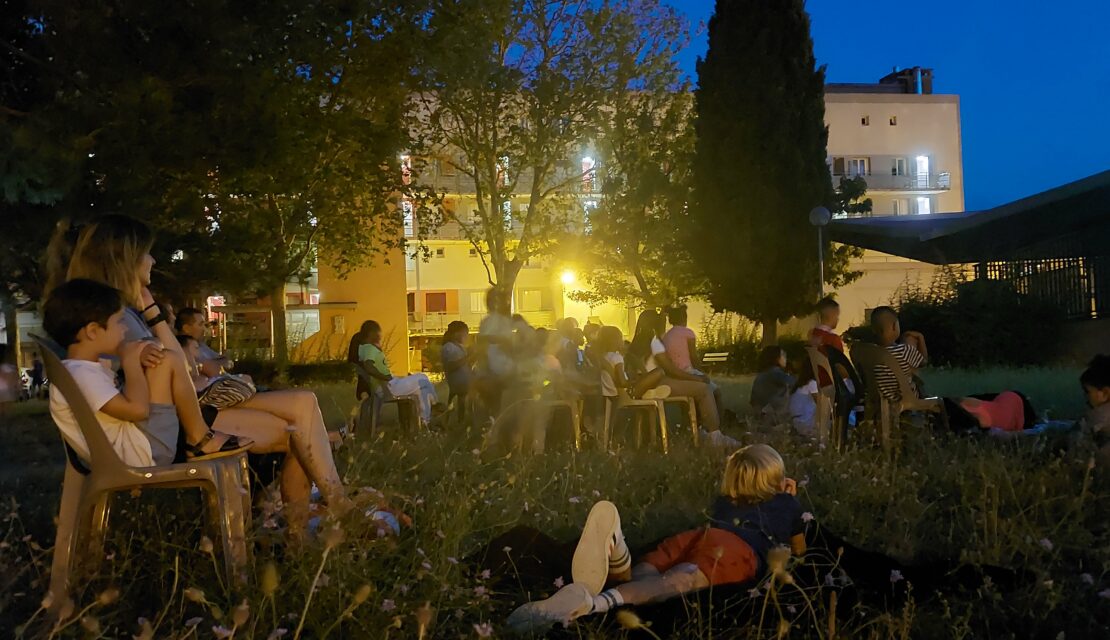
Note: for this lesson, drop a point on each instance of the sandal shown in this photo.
(232, 446)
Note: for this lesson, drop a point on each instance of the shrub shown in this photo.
(982, 323)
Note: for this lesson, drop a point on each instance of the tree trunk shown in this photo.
(11, 318)
(507, 278)
(280, 330)
(770, 331)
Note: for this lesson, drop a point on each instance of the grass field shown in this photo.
(1034, 506)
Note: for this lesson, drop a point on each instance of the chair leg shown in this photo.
(885, 417)
(576, 417)
(375, 414)
(66, 540)
(661, 415)
(365, 416)
(100, 508)
(606, 434)
(231, 520)
(692, 411)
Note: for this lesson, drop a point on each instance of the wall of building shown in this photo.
(370, 293)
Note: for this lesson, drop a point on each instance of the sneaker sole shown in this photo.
(590, 566)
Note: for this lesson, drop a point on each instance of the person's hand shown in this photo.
(789, 485)
(151, 354)
(131, 353)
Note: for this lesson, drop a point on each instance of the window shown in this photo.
(900, 206)
(588, 208)
(531, 300)
(477, 302)
(838, 166)
(893, 121)
(412, 302)
(507, 214)
(502, 171)
(409, 218)
(447, 168)
(898, 167)
(473, 252)
(441, 253)
(588, 175)
(435, 302)
(406, 169)
(924, 205)
(177, 256)
(865, 121)
(859, 166)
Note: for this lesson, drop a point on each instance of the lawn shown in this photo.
(1032, 506)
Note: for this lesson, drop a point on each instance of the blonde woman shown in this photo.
(115, 250)
(756, 512)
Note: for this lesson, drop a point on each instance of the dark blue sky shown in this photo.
(1033, 78)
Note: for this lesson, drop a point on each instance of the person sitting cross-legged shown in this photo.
(756, 512)
(372, 360)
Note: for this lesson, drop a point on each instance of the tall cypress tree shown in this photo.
(760, 165)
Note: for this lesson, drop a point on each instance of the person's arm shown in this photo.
(667, 365)
(210, 368)
(916, 339)
(162, 330)
(692, 346)
(620, 380)
(133, 403)
(374, 372)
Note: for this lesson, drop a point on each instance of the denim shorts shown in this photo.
(162, 428)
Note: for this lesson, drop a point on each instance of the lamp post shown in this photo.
(819, 217)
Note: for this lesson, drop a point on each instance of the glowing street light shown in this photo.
(568, 277)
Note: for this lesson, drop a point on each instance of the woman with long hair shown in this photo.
(648, 356)
(115, 250)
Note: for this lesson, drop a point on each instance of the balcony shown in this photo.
(435, 323)
(918, 182)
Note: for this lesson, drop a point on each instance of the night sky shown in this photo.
(1033, 78)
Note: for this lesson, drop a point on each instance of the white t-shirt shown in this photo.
(657, 347)
(497, 326)
(803, 409)
(98, 385)
(608, 386)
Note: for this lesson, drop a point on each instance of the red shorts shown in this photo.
(721, 555)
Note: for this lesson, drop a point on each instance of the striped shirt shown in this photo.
(909, 359)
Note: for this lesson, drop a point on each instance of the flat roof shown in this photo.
(1072, 220)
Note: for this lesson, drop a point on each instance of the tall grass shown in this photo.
(1014, 505)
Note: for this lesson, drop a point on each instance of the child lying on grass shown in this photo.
(756, 512)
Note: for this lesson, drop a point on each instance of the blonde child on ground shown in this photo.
(756, 512)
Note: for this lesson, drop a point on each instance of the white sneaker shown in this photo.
(568, 603)
(718, 439)
(658, 393)
(601, 548)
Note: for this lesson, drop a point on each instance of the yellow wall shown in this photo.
(378, 293)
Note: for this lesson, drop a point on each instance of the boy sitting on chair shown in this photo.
(140, 421)
(372, 360)
(907, 348)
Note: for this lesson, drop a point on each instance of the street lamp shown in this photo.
(819, 217)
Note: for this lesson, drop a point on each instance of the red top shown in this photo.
(824, 338)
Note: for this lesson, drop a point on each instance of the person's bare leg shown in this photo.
(309, 438)
(175, 387)
(682, 578)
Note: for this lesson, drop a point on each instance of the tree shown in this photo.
(634, 246)
(250, 135)
(759, 165)
(514, 95)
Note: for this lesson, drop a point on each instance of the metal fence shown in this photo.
(1080, 286)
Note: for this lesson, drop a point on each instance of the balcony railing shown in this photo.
(878, 181)
(430, 323)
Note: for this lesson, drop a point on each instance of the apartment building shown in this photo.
(903, 139)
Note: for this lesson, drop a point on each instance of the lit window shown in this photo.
(409, 218)
(406, 169)
(893, 120)
(507, 213)
(477, 301)
(865, 121)
(924, 205)
(589, 175)
(177, 256)
(587, 209)
(435, 302)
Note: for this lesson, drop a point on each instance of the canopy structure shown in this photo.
(1055, 244)
(1070, 221)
